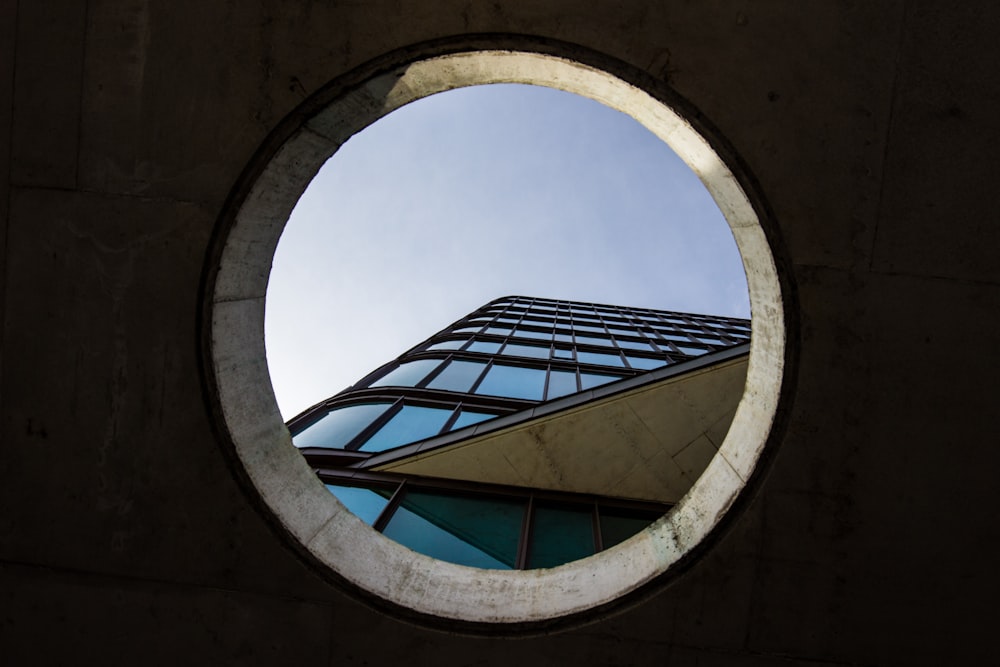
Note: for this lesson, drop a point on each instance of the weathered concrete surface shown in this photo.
(125, 536)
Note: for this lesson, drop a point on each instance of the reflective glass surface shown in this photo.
(591, 340)
(635, 345)
(693, 351)
(535, 351)
(338, 427)
(410, 424)
(366, 504)
(484, 346)
(513, 381)
(560, 534)
(470, 417)
(598, 358)
(458, 375)
(590, 380)
(469, 531)
(561, 383)
(447, 345)
(537, 335)
(408, 374)
(645, 363)
(618, 525)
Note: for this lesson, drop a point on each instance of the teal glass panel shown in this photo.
(448, 345)
(410, 424)
(470, 417)
(645, 363)
(407, 375)
(561, 383)
(534, 351)
(484, 346)
(479, 532)
(617, 525)
(590, 380)
(514, 382)
(560, 534)
(598, 358)
(338, 427)
(366, 504)
(458, 375)
(635, 345)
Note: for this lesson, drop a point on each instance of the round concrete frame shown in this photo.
(316, 519)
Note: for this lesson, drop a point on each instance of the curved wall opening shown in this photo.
(335, 537)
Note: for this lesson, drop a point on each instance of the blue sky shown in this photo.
(476, 193)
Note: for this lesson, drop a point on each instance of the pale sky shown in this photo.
(477, 193)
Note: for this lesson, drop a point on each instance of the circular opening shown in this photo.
(459, 198)
(322, 525)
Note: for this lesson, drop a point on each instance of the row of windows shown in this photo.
(671, 343)
(492, 378)
(566, 352)
(583, 311)
(601, 326)
(380, 425)
(493, 532)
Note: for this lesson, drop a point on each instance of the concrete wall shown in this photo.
(125, 535)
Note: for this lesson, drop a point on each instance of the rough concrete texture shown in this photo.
(127, 535)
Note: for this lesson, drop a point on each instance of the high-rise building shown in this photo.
(531, 432)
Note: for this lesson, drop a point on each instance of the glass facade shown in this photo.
(506, 357)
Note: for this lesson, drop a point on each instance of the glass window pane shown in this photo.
(447, 345)
(498, 331)
(645, 363)
(514, 382)
(635, 345)
(366, 504)
(617, 525)
(590, 380)
(407, 375)
(469, 417)
(410, 424)
(459, 375)
(693, 351)
(537, 335)
(589, 328)
(561, 383)
(466, 329)
(560, 534)
(535, 351)
(564, 338)
(479, 532)
(562, 353)
(484, 346)
(598, 358)
(592, 340)
(338, 427)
